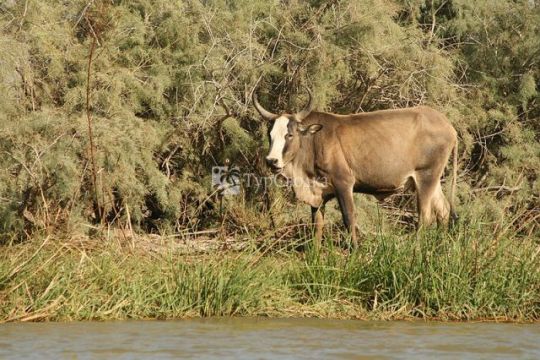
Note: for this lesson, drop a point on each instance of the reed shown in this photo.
(469, 274)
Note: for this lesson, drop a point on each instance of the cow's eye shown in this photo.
(289, 136)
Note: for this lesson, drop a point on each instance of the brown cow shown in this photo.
(378, 153)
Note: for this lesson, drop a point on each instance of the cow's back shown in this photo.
(381, 149)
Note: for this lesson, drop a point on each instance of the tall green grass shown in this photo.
(109, 283)
(468, 274)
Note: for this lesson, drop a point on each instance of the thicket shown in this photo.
(112, 112)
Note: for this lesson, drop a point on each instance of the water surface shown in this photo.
(249, 338)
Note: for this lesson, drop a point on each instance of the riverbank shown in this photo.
(469, 275)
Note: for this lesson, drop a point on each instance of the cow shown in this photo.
(379, 153)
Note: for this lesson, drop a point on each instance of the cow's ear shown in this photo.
(313, 128)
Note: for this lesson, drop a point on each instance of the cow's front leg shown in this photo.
(317, 219)
(346, 204)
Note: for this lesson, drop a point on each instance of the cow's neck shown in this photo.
(302, 175)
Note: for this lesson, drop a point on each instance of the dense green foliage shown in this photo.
(170, 88)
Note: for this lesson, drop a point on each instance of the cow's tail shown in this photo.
(453, 214)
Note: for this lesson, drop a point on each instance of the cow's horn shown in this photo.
(264, 113)
(307, 110)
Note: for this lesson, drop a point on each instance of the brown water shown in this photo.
(248, 338)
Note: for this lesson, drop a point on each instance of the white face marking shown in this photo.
(277, 137)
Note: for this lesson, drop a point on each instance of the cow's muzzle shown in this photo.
(273, 165)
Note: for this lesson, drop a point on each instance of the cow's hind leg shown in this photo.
(426, 187)
(440, 206)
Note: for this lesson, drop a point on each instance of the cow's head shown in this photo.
(285, 134)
